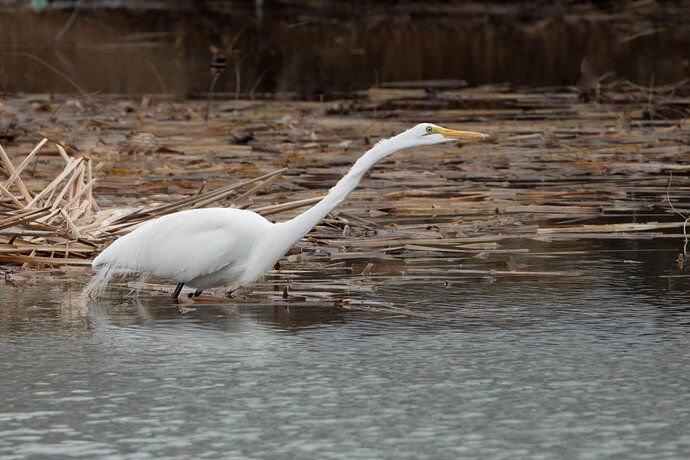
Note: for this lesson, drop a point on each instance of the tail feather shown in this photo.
(107, 271)
(98, 282)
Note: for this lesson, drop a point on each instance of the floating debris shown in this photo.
(560, 169)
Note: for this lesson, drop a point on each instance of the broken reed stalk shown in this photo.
(276, 208)
(686, 218)
(10, 167)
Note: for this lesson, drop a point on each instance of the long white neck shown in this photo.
(282, 236)
(295, 229)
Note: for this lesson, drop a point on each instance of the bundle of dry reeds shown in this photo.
(54, 225)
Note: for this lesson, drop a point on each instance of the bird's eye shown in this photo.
(429, 129)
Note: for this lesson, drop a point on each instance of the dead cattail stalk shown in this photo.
(686, 218)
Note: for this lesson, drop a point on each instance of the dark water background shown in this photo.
(594, 366)
(333, 48)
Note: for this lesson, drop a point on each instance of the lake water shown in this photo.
(587, 366)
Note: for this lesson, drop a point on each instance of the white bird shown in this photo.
(211, 247)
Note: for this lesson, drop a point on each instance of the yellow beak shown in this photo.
(462, 134)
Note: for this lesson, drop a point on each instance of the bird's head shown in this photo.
(430, 134)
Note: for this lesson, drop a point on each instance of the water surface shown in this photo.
(594, 365)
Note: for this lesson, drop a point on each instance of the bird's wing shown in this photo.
(186, 245)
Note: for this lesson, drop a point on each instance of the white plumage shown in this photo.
(211, 247)
(188, 246)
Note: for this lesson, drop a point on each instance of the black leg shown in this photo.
(178, 289)
(196, 293)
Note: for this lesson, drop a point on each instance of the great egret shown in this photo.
(210, 247)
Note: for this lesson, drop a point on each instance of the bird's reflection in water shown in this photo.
(231, 316)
